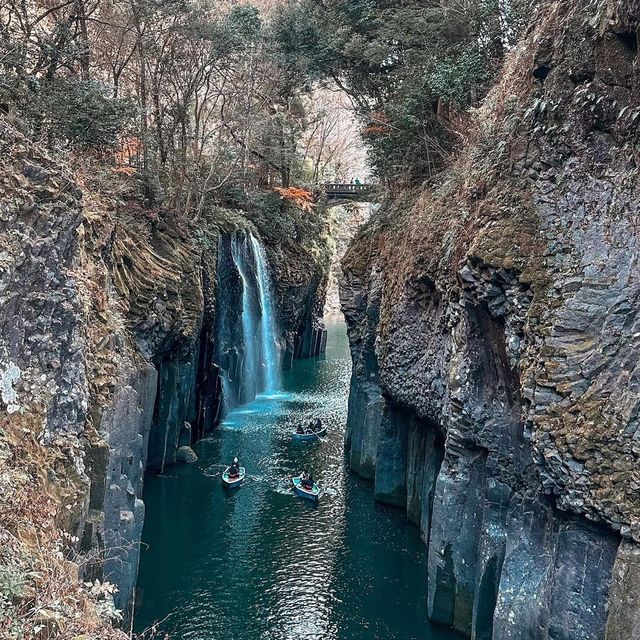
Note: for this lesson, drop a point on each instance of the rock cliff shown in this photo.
(494, 323)
(107, 343)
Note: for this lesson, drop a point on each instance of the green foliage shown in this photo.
(13, 585)
(84, 115)
(457, 79)
(407, 64)
(12, 582)
(243, 23)
(278, 221)
(67, 112)
(266, 211)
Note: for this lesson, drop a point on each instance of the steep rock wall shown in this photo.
(300, 298)
(493, 323)
(107, 339)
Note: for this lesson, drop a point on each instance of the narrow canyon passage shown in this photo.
(259, 563)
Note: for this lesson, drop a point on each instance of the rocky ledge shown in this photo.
(494, 324)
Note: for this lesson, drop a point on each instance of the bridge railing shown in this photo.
(347, 190)
(346, 186)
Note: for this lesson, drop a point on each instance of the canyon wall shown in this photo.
(108, 330)
(494, 318)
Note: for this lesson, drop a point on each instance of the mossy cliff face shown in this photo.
(493, 321)
(107, 334)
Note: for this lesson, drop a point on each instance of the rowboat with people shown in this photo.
(311, 435)
(233, 475)
(233, 481)
(305, 487)
(314, 431)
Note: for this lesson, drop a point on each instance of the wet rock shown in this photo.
(186, 454)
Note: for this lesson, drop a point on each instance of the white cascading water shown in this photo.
(260, 367)
(249, 382)
(269, 344)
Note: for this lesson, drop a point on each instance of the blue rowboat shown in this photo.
(309, 494)
(227, 481)
(304, 437)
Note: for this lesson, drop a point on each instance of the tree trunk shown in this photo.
(84, 56)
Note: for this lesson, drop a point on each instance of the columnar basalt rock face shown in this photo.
(301, 282)
(116, 514)
(494, 320)
(108, 339)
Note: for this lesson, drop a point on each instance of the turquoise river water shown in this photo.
(258, 563)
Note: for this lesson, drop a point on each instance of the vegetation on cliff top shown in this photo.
(192, 104)
(412, 69)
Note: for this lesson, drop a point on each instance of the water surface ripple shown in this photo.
(259, 563)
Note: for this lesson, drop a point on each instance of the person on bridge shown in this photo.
(358, 181)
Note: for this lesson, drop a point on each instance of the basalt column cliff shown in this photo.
(109, 339)
(495, 331)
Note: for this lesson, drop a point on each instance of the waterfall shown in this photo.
(249, 383)
(247, 333)
(270, 356)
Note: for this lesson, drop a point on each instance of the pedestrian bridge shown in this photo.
(350, 191)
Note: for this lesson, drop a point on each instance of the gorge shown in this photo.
(164, 268)
(263, 562)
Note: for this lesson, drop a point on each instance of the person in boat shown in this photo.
(300, 429)
(317, 426)
(307, 481)
(234, 469)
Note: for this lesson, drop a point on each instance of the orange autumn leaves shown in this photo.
(302, 198)
(127, 156)
(378, 124)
